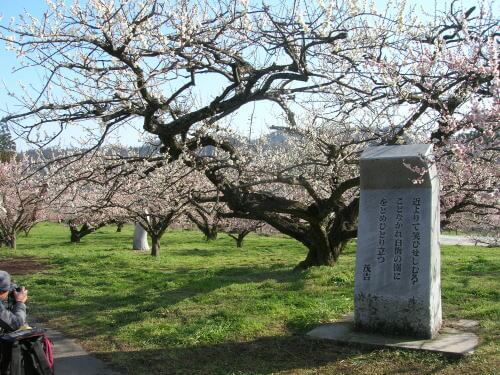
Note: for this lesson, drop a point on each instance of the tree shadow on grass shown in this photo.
(265, 355)
(480, 266)
(197, 252)
(151, 294)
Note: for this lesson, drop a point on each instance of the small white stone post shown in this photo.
(140, 238)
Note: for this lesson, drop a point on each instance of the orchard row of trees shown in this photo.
(108, 188)
(116, 186)
(342, 74)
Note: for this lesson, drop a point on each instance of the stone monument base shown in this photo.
(455, 339)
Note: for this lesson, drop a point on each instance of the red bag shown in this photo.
(48, 349)
(26, 352)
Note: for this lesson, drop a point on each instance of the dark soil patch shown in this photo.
(22, 266)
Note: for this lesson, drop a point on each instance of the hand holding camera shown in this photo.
(20, 294)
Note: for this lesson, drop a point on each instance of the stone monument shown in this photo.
(397, 281)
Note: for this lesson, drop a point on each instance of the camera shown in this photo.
(13, 288)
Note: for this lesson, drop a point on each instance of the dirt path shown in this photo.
(22, 265)
(463, 240)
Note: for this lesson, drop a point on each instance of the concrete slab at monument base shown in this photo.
(453, 340)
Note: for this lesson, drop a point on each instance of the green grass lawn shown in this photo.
(210, 308)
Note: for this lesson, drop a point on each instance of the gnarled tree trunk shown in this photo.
(10, 240)
(322, 251)
(155, 246)
(156, 229)
(325, 231)
(78, 233)
(75, 236)
(239, 237)
(210, 231)
(326, 241)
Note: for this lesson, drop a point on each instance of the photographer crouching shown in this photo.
(12, 304)
(23, 350)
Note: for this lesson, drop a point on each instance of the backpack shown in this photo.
(27, 352)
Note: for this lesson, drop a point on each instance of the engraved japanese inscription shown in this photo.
(397, 285)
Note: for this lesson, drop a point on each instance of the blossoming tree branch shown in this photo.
(343, 75)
